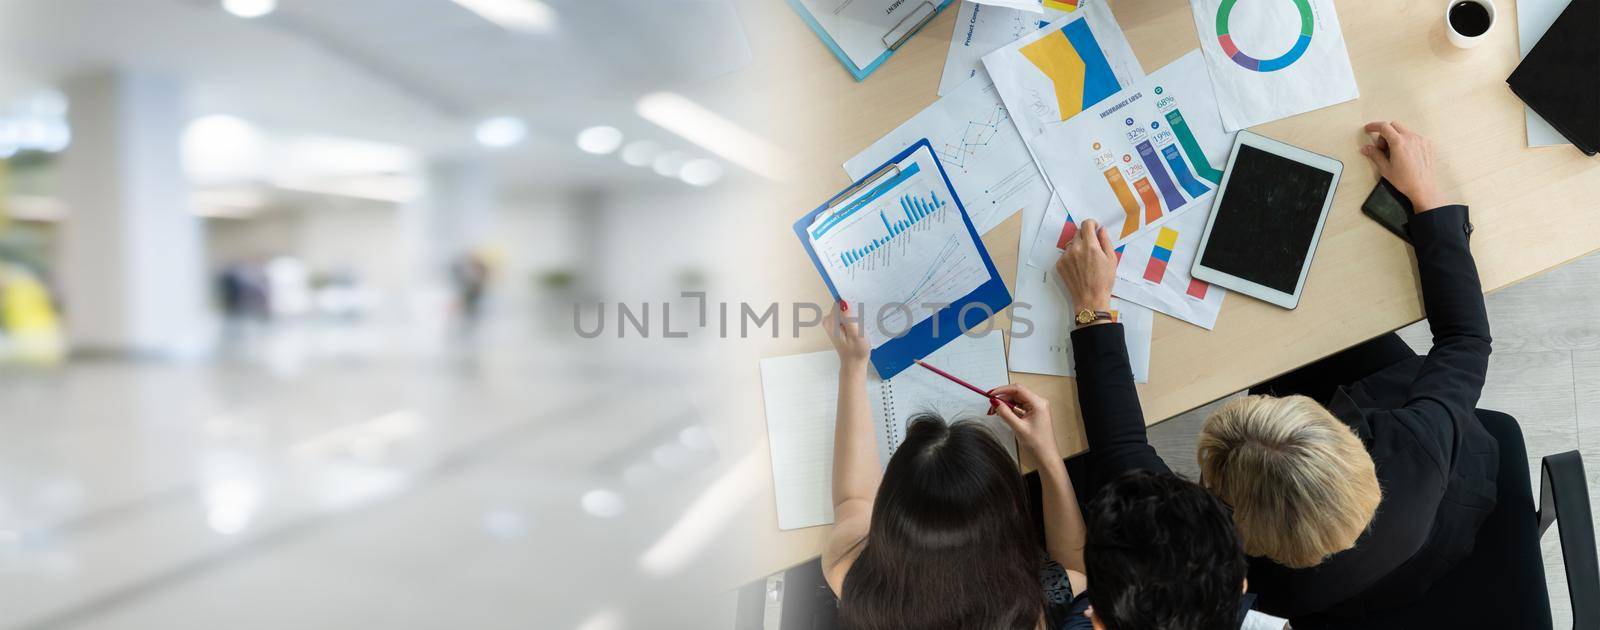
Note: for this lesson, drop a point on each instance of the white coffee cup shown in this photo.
(1460, 40)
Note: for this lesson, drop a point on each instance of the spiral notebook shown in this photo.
(802, 394)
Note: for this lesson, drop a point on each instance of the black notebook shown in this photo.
(1560, 77)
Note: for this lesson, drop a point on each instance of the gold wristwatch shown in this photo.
(1090, 316)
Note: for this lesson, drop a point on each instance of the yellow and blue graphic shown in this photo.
(1074, 62)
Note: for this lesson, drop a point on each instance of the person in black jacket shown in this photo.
(1358, 480)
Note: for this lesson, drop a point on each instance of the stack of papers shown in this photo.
(1061, 123)
(1146, 164)
(983, 143)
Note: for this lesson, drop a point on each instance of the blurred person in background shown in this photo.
(470, 273)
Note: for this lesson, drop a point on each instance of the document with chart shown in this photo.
(1154, 265)
(982, 29)
(1272, 60)
(973, 135)
(1142, 156)
(1070, 65)
(1145, 163)
(1154, 272)
(899, 247)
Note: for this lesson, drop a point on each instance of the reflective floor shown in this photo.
(503, 484)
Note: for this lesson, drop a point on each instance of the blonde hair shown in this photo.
(1301, 484)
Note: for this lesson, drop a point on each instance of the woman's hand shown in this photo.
(1035, 432)
(1089, 267)
(1406, 160)
(1036, 436)
(848, 337)
(856, 471)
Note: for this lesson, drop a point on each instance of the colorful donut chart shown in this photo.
(1307, 25)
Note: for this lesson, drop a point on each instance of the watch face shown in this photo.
(1085, 316)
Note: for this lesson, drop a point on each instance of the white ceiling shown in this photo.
(420, 73)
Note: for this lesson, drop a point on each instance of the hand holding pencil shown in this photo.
(1028, 415)
(993, 402)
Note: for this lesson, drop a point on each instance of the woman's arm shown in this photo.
(1452, 376)
(856, 470)
(1113, 421)
(1063, 521)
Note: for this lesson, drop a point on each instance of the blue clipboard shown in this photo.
(919, 341)
(861, 73)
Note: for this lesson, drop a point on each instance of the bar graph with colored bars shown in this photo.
(916, 209)
(1156, 269)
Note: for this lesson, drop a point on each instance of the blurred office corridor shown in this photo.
(467, 491)
(287, 324)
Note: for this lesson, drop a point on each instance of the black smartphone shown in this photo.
(1389, 208)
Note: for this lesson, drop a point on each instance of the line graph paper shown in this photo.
(976, 141)
(978, 135)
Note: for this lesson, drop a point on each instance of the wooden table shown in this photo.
(1534, 208)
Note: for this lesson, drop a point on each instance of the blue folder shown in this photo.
(901, 352)
(860, 73)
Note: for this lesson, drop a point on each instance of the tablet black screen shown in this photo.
(1266, 220)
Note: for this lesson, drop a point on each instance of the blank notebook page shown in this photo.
(801, 393)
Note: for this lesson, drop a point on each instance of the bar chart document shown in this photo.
(1142, 156)
(1154, 272)
(1272, 60)
(901, 248)
(1153, 267)
(1065, 68)
(980, 149)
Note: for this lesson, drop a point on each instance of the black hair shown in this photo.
(951, 544)
(1162, 553)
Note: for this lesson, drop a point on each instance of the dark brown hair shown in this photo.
(951, 544)
(1162, 553)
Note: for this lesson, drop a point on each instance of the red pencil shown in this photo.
(958, 381)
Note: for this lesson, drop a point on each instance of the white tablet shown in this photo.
(1266, 219)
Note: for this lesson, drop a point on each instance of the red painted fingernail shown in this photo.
(844, 306)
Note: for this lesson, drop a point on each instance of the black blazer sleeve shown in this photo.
(1446, 388)
(1113, 421)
